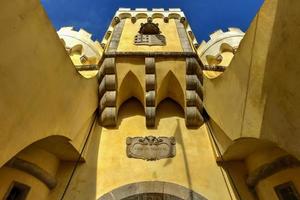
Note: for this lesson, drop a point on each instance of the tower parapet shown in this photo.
(83, 51)
(143, 13)
(220, 49)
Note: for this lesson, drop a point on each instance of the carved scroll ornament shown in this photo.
(151, 148)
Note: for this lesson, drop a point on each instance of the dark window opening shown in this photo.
(287, 191)
(17, 191)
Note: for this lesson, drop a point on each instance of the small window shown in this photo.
(287, 191)
(17, 191)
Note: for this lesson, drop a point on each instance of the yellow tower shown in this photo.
(148, 113)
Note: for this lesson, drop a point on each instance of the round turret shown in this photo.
(84, 52)
(220, 49)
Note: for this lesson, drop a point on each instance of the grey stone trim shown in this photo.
(115, 39)
(150, 65)
(151, 54)
(107, 92)
(33, 170)
(194, 94)
(184, 40)
(269, 169)
(109, 116)
(193, 117)
(108, 100)
(150, 79)
(108, 83)
(154, 187)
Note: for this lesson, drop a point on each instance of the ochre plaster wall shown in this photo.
(41, 158)
(169, 30)
(41, 92)
(111, 167)
(259, 88)
(38, 189)
(265, 188)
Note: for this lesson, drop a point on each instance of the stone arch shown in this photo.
(166, 190)
(157, 15)
(256, 164)
(170, 87)
(141, 16)
(124, 15)
(174, 16)
(40, 161)
(130, 87)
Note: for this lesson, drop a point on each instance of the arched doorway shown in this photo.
(152, 190)
(152, 196)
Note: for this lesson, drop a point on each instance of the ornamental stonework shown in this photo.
(151, 148)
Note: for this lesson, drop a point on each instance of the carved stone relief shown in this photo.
(151, 148)
(149, 34)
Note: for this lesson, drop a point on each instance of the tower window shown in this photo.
(287, 191)
(17, 191)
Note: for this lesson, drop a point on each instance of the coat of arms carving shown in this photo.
(151, 148)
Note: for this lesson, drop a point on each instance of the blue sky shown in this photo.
(204, 16)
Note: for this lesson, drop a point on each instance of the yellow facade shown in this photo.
(215, 121)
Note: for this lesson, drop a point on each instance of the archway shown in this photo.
(152, 190)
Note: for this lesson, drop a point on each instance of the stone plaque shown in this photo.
(150, 40)
(151, 148)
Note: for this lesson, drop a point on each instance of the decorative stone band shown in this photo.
(194, 93)
(184, 40)
(214, 68)
(107, 92)
(170, 191)
(33, 170)
(151, 54)
(150, 91)
(114, 43)
(269, 169)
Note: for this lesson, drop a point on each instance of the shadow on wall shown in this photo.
(84, 177)
(281, 81)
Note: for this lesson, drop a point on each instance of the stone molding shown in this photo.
(116, 35)
(107, 92)
(155, 187)
(184, 40)
(194, 94)
(269, 169)
(34, 170)
(150, 79)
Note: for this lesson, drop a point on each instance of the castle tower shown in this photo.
(150, 107)
(148, 113)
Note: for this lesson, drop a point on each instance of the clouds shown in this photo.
(205, 16)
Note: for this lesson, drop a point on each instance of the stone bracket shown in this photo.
(194, 94)
(108, 92)
(150, 91)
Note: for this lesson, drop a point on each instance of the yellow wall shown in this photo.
(193, 166)
(169, 30)
(237, 172)
(265, 188)
(41, 92)
(41, 158)
(38, 189)
(258, 86)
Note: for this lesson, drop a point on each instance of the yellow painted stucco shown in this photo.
(50, 115)
(167, 29)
